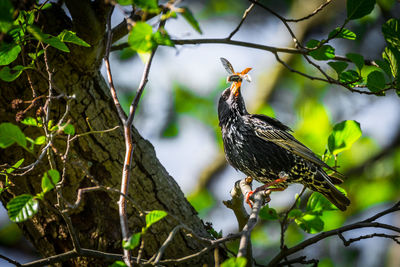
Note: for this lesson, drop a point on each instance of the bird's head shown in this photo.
(231, 101)
(236, 80)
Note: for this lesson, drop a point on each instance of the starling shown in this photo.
(264, 149)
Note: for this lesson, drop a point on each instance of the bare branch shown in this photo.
(120, 111)
(16, 263)
(245, 14)
(321, 7)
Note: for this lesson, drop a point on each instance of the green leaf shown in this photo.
(317, 204)
(350, 77)
(47, 38)
(30, 121)
(147, 5)
(325, 52)
(118, 264)
(359, 8)
(49, 180)
(70, 37)
(22, 207)
(163, 39)
(188, 15)
(235, 262)
(343, 136)
(140, 39)
(392, 56)
(132, 242)
(338, 66)
(154, 216)
(344, 33)
(375, 81)
(9, 75)
(6, 15)
(310, 223)
(8, 53)
(15, 166)
(125, 2)
(10, 134)
(295, 213)
(385, 66)
(40, 140)
(391, 32)
(69, 129)
(268, 213)
(357, 59)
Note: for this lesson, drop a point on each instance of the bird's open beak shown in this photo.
(235, 86)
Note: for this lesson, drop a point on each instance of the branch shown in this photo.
(245, 14)
(362, 224)
(321, 7)
(108, 257)
(16, 263)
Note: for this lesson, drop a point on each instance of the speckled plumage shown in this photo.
(262, 147)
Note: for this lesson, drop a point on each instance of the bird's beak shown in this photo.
(235, 86)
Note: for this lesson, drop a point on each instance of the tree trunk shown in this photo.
(100, 156)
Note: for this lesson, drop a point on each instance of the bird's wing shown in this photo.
(274, 131)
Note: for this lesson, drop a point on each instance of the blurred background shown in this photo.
(178, 115)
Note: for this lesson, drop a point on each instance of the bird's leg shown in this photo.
(282, 177)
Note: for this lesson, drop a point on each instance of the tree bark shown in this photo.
(100, 156)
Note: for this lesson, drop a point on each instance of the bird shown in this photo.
(264, 149)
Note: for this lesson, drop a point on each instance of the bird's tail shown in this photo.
(333, 194)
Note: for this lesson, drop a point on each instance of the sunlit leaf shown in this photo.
(235, 262)
(140, 38)
(49, 180)
(10, 134)
(325, 52)
(10, 74)
(22, 207)
(375, 81)
(71, 37)
(8, 53)
(317, 203)
(154, 216)
(310, 223)
(118, 264)
(343, 136)
(344, 33)
(40, 140)
(15, 166)
(30, 121)
(69, 129)
(359, 8)
(132, 242)
(47, 38)
(391, 32)
(393, 58)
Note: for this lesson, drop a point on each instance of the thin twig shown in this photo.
(368, 223)
(245, 14)
(321, 7)
(120, 111)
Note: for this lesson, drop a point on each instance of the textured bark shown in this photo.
(96, 221)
